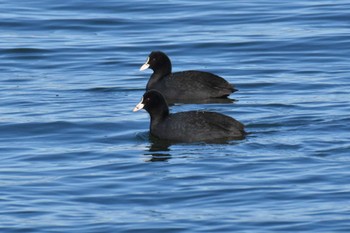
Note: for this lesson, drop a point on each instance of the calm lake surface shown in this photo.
(75, 158)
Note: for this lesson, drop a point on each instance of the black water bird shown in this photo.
(184, 85)
(191, 126)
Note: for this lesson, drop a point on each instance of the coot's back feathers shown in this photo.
(194, 126)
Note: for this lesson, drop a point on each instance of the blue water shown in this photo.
(75, 158)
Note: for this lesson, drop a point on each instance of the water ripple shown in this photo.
(70, 141)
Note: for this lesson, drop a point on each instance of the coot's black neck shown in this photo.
(158, 115)
(157, 108)
(153, 80)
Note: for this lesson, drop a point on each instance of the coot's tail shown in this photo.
(234, 89)
(228, 90)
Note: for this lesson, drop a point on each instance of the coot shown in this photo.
(192, 126)
(183, 85)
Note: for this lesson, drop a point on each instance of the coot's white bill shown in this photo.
(145, 66)
(139, 106)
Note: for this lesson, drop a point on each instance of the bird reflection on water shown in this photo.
(157, 150)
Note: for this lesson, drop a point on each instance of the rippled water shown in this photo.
(75, 158)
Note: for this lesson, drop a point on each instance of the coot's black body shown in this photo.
(184, 85)
(192, 126)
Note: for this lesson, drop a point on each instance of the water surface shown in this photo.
(75, 158)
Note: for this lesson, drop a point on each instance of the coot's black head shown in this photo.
(154, 103)
(158, 62)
